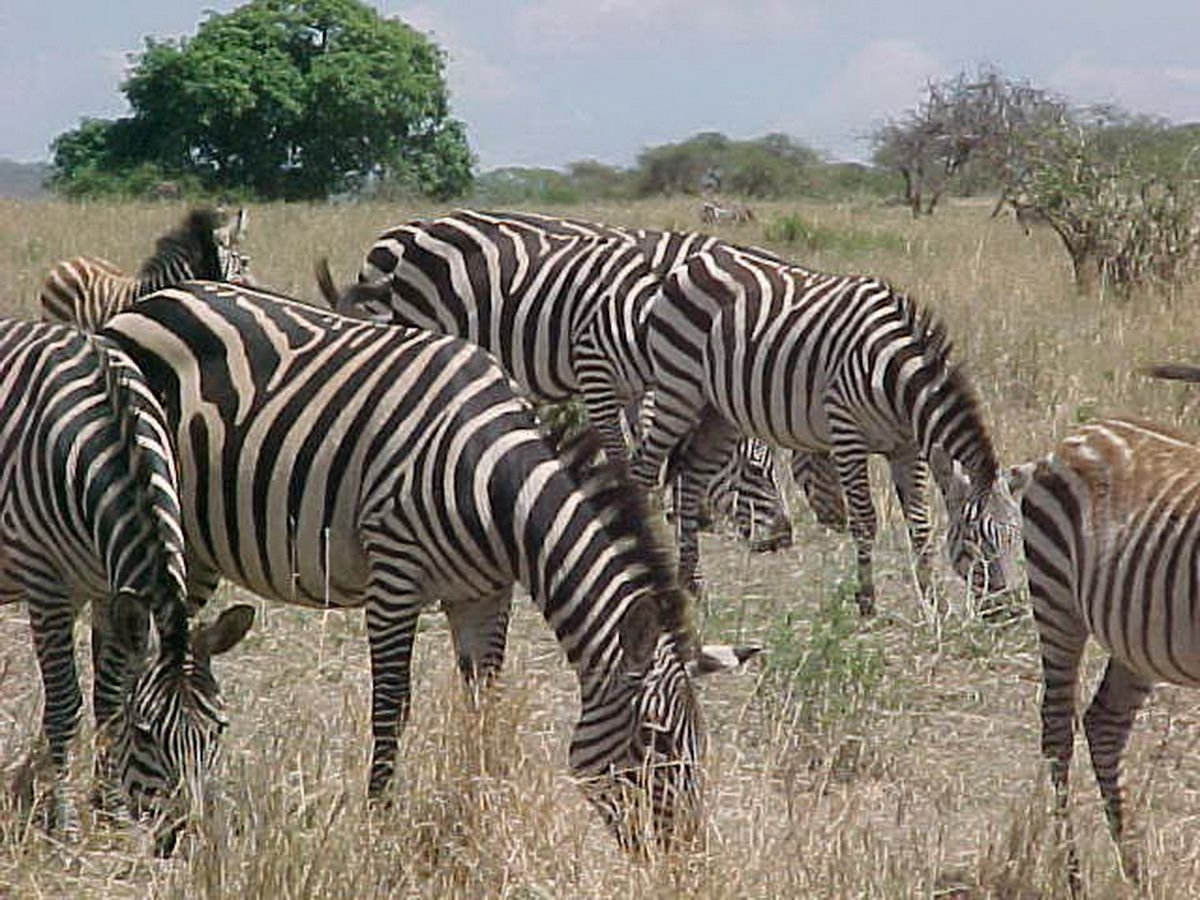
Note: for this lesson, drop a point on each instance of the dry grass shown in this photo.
(895, 758)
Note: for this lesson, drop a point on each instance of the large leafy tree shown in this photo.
(286, 98)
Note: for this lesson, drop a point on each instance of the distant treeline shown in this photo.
(774, 166)
(22, 181)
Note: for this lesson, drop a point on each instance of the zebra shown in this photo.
(335, 463)
(87, 291)
(89, 511)
(1111, 528)
(712, 213)
(559, 302)
(812, 361)
(749, 479)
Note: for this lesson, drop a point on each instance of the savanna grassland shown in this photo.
(896, 757)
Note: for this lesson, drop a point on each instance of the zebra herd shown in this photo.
(386, 455)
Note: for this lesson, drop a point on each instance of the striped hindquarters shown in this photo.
(1112, 527)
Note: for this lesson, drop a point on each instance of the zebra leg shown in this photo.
(479, 629)
(700, 463)
(1107, 724)
(392, 610)
(1062, 637)
(605, 410)
(669, 418)
(816, 476)
(53, 624)
(910, 475)
(856, 484)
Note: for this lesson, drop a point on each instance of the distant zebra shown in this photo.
(89, 512)
(88, 291)
(1112, 535)
(329, 462)
(825, 362)
(712, 213)
(559, 302)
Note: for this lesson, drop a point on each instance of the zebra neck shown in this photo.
(162, 271)
(579, 572)
(946, 418)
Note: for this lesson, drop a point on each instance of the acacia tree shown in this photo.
(286, 98)
(977, 120)
(1126, 218)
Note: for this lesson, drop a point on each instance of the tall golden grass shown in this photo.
(892, 758)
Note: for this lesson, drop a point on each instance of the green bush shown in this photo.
(825, 676)
(792, 231)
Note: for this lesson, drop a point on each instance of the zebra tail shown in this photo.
(354, 300)
(1172, 371)
(141, 424)
(325, 282)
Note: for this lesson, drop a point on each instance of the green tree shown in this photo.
(770, 166)
(286, 98)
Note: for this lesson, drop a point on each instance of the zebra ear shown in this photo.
(720, 658)
(129, 618)
(240, 221)
(224, 634)
(639, 632)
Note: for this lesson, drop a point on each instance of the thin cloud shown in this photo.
(880, 80)
(567, 27)
(472, 75)
(1166, 90)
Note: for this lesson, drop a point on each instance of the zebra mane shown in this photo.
(931, 335)
(623, 509)
(194, 238)
(128, 408)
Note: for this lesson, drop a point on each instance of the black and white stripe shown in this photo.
(561, 303)
(1112, 534)
(88, 291)
(330, 462)
(89, 512)
(817, 362)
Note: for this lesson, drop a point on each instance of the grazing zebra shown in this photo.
(812, 361)
(89, 511)
(88, 291)
(712, 213)
(1112, 534)
(750, 479)
(330, 462)
(559, 302)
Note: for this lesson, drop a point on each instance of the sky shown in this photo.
(547, 82)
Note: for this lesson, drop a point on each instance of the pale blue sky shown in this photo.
(544, 82)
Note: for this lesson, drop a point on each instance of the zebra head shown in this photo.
(166, 735)
(745, 489)
(638, 745)
(983, 538)
(233, 265)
